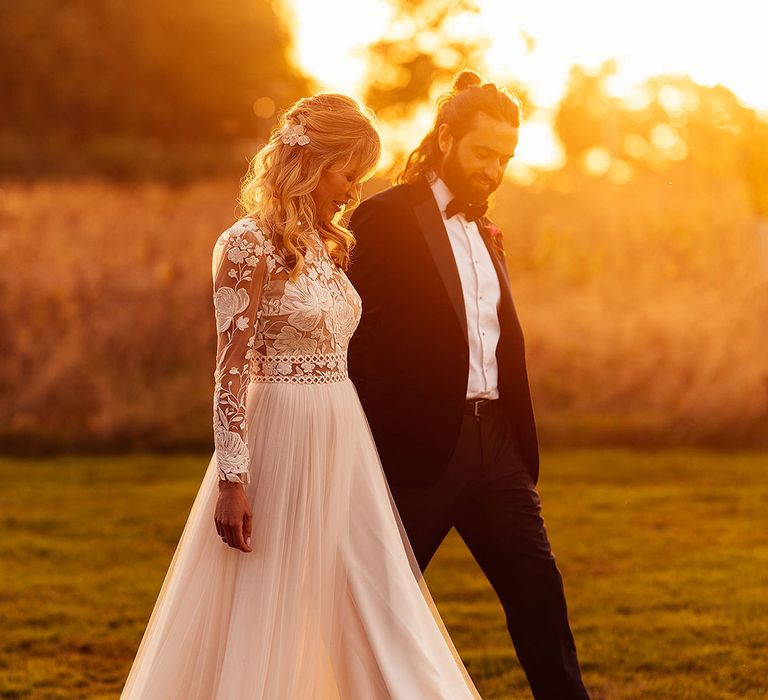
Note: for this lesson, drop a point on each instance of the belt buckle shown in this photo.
(476, 407)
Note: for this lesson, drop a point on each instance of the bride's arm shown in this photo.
(239, 270)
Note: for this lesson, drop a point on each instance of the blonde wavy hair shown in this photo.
(277, 191)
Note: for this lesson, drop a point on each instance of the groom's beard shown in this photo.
(473, 188)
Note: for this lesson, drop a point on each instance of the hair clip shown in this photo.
(293, 134)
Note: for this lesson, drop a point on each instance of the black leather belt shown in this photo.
(479, 407)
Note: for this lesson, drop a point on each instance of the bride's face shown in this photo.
(337, 186)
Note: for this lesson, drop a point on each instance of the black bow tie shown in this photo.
(472, 212)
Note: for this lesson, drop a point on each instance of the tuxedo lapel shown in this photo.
(498, 262)
(433, 229)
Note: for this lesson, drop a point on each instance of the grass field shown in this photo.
(664, 555)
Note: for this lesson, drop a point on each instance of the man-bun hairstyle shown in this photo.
(465, 79)
(457, 108)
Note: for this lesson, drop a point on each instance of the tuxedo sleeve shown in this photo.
(372, 257)
(372, 272)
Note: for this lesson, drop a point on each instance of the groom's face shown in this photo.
(474, 164)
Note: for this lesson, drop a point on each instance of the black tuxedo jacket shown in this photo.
(409, 358)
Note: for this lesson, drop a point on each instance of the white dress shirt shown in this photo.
(482, 296)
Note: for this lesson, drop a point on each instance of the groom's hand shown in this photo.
(233, 516)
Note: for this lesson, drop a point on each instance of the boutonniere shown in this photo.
(497, 240)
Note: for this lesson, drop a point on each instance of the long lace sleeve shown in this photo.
(239, 270)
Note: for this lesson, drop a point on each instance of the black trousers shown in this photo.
(488, 496)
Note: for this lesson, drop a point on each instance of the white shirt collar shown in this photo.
(443, 195)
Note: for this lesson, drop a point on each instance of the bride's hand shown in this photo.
(233, 516)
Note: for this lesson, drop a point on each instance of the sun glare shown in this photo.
(331, 37)
(536, 44)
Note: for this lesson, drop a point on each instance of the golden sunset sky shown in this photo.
(712, 42)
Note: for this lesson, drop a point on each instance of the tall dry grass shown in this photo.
(106, 312)
(644, 306)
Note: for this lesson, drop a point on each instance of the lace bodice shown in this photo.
(272, 329)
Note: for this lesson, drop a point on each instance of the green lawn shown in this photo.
(664, 556)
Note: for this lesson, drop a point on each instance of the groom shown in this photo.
(439, 364)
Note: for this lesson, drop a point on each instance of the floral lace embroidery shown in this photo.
(272, 329)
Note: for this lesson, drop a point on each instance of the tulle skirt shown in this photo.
(329, 604)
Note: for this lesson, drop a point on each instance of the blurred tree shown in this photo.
(664, 121)
(755, 156)
(171, 70)
(419, 54)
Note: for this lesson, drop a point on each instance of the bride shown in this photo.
(306, 587)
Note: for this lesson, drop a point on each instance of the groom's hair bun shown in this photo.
(466, 79)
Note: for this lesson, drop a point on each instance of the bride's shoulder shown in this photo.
(247, 230)
(246, 242)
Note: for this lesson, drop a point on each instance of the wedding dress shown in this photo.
(330, 603)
